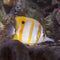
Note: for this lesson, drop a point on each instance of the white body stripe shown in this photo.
(35, 32)
(26, 31)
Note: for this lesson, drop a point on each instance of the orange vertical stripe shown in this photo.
(21, 32)
(31, 31)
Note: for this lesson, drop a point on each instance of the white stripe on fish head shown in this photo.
(17, 32)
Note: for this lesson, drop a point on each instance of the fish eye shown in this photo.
(23, 22)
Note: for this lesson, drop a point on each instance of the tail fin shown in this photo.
(49, 39)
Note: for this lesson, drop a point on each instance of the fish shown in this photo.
(29, 31)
